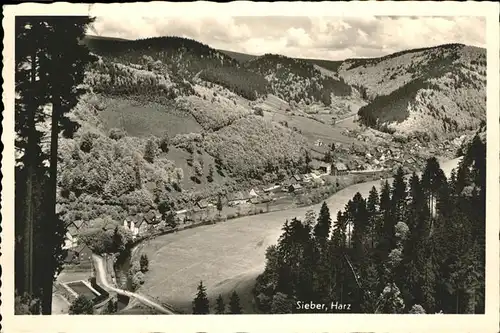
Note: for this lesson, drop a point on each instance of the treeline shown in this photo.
(417, 247)
(201, 304)
(170, 59)
(192, 55)
(298, 80)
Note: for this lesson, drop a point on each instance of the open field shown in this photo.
(144, 119)
(226, 256)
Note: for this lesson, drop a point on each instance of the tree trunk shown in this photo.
(52, 190)
(29, 164)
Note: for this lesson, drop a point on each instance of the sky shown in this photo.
(331, 38)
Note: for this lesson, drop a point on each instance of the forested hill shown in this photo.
(298, 80)
(431, 92)
(178, 60)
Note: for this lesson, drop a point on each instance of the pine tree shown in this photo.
(144, 262)
(64, 70)
(360, 220)
(433, 180)
(220, 307)
(200, 303)
(322, 227)
(398, 196)
(219, 204)
(387, 237)
(56, 62)
(118, 244)
(234, 304)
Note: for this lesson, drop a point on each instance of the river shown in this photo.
(229, 255)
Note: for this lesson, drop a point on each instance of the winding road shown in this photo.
(103, 281)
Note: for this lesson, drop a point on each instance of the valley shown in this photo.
(175, 134)
(227, 256)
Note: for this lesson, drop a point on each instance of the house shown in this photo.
(340, 169)
(84, 253)
(70, 241)
(130, 224)
(307, 178)
(253, 193)
(322, 167)
(255, 200)
(71, 238)
(318, 180)
(294, 188)
(80, 224)
(238, 198)
(151, 218)
(71, 257)
(266, 198)
(318, 143)
(272, 188)
(295, 179)
(203, 204)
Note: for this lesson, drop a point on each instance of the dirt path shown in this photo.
(99, 264)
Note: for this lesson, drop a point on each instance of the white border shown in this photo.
(259, 323)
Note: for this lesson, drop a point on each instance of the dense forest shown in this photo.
(174, 59)
(297, 80)
(418, 246)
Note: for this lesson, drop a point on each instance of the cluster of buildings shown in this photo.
(78, 253)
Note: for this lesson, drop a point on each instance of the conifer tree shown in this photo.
(374, 225)
(144, 262)
(200, 303)
(51, 45)
(220, 306)
(387, 237)
(234, 304)
(322, 227)
(398, 196)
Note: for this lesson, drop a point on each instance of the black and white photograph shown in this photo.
(226, 163)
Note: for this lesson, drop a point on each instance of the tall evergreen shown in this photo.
(398, 196)
(220, 307)
(323, 225)
(360, 220)
(234, 304)
(387, 240)
(372, 207)
(56, 65)
(200, 303)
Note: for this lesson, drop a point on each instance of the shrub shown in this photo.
(137, 280)
(165, 142)
(81, 305)
(116, 133)
(150, 152)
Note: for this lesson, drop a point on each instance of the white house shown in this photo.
(70, 241)
(130, 225)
